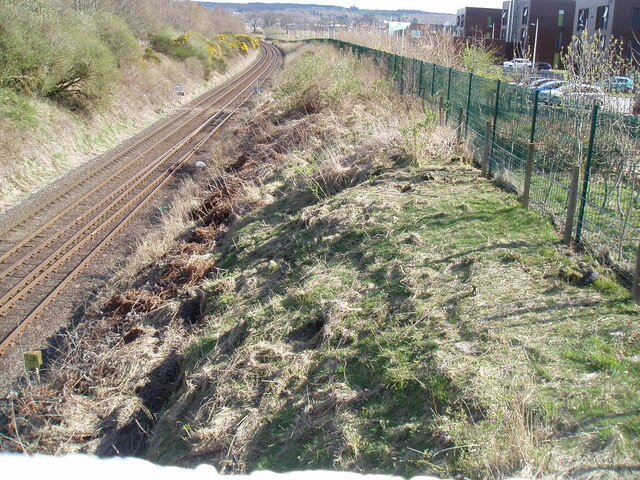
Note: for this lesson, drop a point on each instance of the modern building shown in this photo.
(397, 28)
(473, 22)
(618, 19)
(540, 27)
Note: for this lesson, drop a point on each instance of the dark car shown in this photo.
(543, 66)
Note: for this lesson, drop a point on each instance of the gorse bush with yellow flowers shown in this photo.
(75, 55)
(211, 53)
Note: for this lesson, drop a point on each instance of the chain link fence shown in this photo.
(534, 145)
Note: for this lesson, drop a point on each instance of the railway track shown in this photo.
(48, 244)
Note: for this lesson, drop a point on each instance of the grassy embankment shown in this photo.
(75, 83)
(375, 306)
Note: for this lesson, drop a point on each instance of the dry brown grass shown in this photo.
(440, 48)
(375, 306)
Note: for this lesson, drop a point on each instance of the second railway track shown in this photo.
(44, 247)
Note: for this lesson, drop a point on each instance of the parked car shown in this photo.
(539, 81)
(542, 66)
(577, 93)
(618, 84)
(517, 63)
(544, 87)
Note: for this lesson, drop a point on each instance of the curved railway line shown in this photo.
(45, 246)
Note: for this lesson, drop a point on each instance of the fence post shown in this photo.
(526, 193)
(571, 205)
(433, 80)
(635, 291)
(466, 120)
(449, 92)
(402, 62)
(460, 123)
(420, 79)
(587, 173)
(534, 120)
(395, 61)
(487, 149)
(495, 122)
(395, 69)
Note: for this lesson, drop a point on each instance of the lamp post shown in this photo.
(535, 43)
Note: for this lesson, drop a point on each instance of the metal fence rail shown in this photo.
(553, 139)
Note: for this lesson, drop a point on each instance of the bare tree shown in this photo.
(254, 21)
(269, 19)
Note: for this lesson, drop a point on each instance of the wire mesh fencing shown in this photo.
(514, 129)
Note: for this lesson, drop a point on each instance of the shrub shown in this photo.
(249, 40)
(117, 35)
(66, 59)
(150, 56)
(210, 53)
(80, 66)
(162, 41)
(478, 59)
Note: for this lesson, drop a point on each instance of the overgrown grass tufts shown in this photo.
(378, 306)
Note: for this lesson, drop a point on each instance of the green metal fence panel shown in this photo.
(458, 90)
(512, 133)
(561, 137)
(440, 80)
(611, 217)
(481, 109)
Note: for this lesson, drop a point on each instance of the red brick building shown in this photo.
(553, 20)
(473, 22)
(618, 19)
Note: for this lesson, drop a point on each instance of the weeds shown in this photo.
(405, 317)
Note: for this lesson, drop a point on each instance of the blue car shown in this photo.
(619, 84)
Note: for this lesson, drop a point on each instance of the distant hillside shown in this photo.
(427, 17)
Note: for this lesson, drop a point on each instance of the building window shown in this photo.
(489, 22)
(523, 35)
(602, 17)
(504, 16)
(525, 15)
(635, 19)
(556, 60)
(603, 42)
(503, 33)
(462, 21)
(561, 18)
(583, 16)
(559, 40)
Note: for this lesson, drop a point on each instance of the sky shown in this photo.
(440, 6)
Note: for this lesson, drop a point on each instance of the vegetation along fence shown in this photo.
(578, 161)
